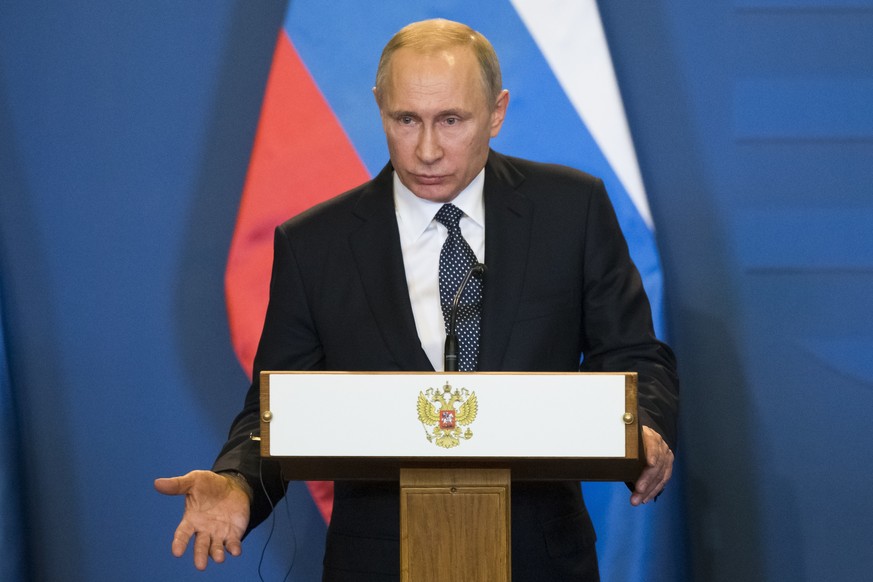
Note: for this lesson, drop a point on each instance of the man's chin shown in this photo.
(441, 193)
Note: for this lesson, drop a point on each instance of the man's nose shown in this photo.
(428, 148)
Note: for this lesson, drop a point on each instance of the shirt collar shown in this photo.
(416, 214)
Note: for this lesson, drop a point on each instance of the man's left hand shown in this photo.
(659, 468)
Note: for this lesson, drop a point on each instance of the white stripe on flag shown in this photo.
(570, 35)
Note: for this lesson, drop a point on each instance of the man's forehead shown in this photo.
(447, 81)
(420, 70)
(450, 55)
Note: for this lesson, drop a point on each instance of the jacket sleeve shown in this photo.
(288, 342)
(617, 330)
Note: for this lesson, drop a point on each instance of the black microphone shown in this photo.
(450, 360)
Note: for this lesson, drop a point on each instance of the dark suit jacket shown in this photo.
(560, 285)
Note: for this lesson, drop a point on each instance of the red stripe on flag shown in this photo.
(301, 157)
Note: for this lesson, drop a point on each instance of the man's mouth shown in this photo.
(427, 180)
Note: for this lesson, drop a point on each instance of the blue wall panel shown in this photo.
(752, 122)
(804, 109)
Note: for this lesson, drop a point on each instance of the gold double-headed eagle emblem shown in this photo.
(443, 412)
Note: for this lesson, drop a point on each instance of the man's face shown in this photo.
(438, 120)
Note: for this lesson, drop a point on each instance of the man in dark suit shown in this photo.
(356, 286)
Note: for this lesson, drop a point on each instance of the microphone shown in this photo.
(450, 359)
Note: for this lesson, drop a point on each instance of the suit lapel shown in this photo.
(376, 248)
(508, 219)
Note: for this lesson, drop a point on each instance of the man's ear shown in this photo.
(377, 97)
(499, 113)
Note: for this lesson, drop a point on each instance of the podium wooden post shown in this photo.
(453, 449)
(455, 525)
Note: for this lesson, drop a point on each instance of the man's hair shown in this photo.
(429, 36)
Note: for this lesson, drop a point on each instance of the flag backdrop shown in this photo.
(320, 134)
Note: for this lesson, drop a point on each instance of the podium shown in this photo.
(454, 441)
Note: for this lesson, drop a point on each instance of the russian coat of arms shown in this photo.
(442, 413)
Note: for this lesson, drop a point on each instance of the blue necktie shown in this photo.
(456, 259)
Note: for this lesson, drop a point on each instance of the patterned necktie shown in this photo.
(456, 259)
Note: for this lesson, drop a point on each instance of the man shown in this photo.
(357, 285)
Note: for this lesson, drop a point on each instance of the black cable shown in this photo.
(293, 537)
(273, 527)
(272, 519)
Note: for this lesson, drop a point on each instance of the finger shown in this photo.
(181, 538)
(641, 487)
(654, 480)
(653, 491)
(234, 547)
(217, 553)
(201, 550)
(666, 474)
(173, 485)
(167, 486)
(650, 481)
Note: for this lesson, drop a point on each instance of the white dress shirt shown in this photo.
(421, 240)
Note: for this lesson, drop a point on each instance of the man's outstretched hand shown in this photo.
(659, 468)
(216, 514)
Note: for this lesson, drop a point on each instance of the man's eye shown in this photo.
(406, 120)
(452, 120)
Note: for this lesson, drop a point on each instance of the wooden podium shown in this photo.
(453, 440)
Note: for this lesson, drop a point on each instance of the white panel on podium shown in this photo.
(335, 424)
